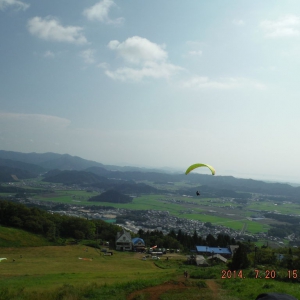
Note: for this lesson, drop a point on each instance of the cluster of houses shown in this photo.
(124, 242)
(201, 255)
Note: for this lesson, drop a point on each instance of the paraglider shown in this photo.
(194, 166)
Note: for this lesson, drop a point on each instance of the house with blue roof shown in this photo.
(211, 251)
(138, 244)
(124, 242)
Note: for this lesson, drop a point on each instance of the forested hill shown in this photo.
(51, 161)
(8, 174)
(53, 226)
(57, 229)
(112, 196)
(31, 168)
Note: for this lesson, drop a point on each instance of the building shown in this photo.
(217, 257)
(211, 251)
(138, 244)
(123, 241)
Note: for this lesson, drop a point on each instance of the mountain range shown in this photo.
(67, 169)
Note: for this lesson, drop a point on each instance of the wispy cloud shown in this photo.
(49, 54)
(142, 58)
(195, 53)
(195, 49)
(149, 69)
(50, 29)
(15, 3)
(287, 26)
(33, 118)
(238, 22)
(100, 12)
(202, 82)
(88, 56)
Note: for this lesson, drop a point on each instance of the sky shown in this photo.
(155, 83)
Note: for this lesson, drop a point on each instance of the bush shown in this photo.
(204, 274)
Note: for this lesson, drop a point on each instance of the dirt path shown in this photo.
(154, 292)
(214, 287)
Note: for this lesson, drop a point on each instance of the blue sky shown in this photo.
(154, 83)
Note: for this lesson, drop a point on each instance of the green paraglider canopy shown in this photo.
(194, 166)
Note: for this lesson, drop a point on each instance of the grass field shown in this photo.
(56, 272)
(48, 267)
(19, 238)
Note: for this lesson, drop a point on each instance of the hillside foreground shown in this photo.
(80, 272)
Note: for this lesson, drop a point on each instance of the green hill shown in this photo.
(32, 168)
(111, 196)
(12, 237)
(8, 174)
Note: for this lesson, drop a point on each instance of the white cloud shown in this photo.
(18, 4)
(137, 49)
(49, 54)
(149, 60)
(202, 82)
(287, 26)
(238, 22)
(195, 53)
(88, 56)
(51, 30)
(100, 11)
(150, 70)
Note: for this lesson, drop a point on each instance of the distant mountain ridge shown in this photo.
(49, 161)
(8, 174)
(32, 168)
(128, 179)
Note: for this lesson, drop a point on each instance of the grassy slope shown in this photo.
(52, 270)
(11, 237)
(47, 267)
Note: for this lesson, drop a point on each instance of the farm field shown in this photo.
(217, 211)
(189, 208)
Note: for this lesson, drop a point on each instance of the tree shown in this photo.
(240, 259)
(210, 240)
